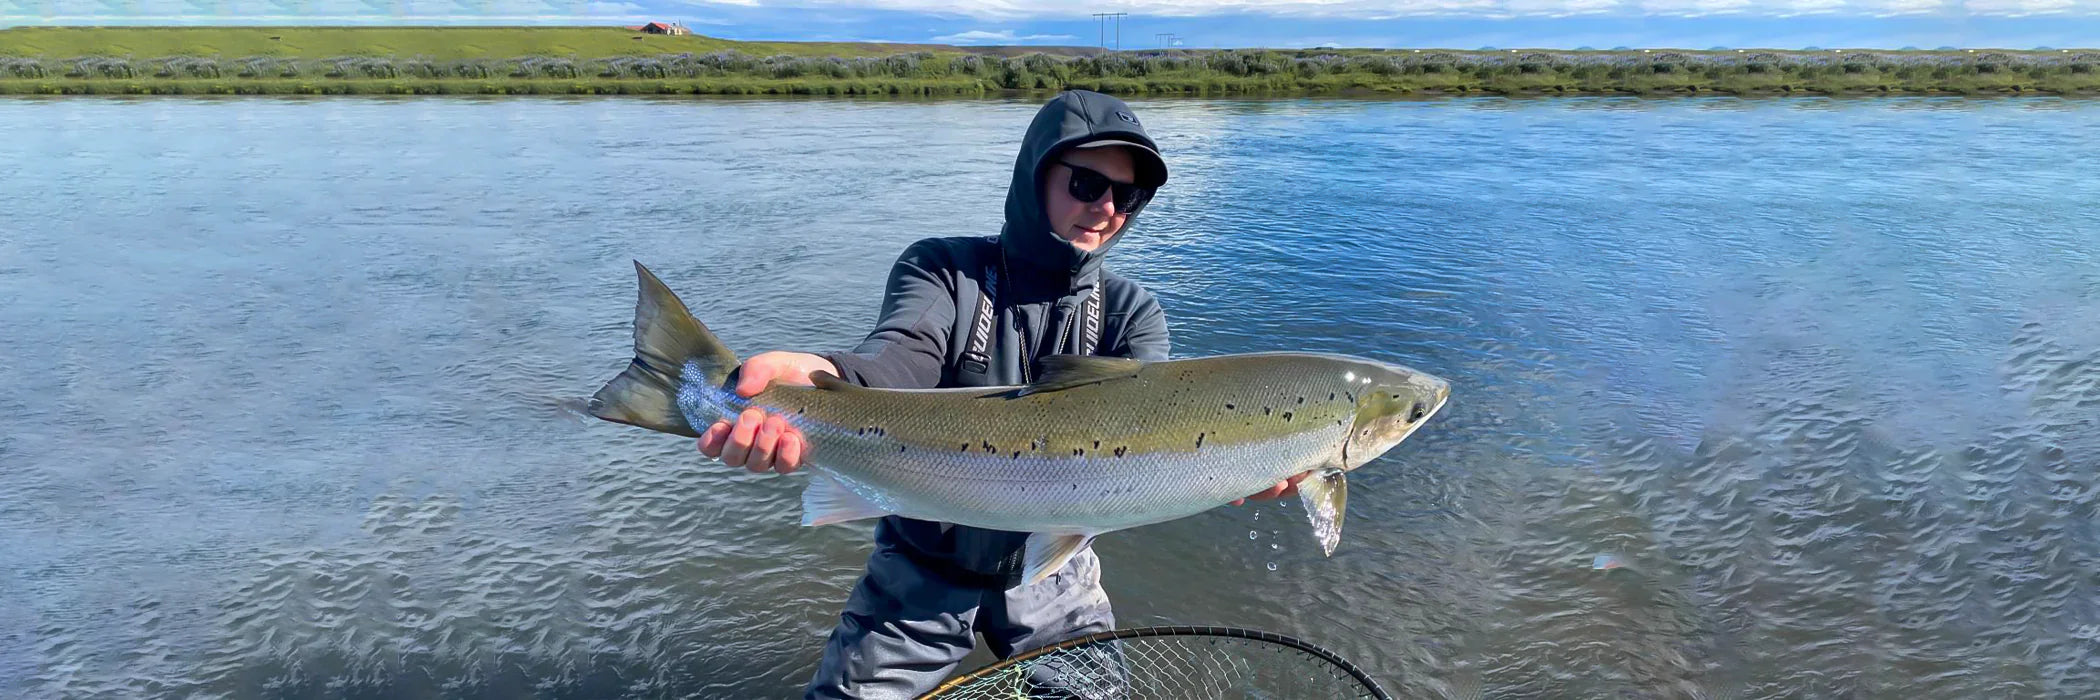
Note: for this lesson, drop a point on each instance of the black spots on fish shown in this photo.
(1265, 410)
(1035, 445)
(1352, 396)
(870, 431)
(1078, 452)
(1230, 407)
(900, 449)
(1097, 444)
(1017, 454)
(1286, 416)
(988, 447)
(800, 411)
(1075, 487)
(1199, 440)
(1121, 449)
(966, 447)
(1330, 396)
(1301, 400)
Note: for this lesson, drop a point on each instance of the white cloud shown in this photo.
(2028, 7)
(1388, 9)
(979, 36)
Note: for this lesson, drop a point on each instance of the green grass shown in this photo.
(613, 60)
(438, 43)
(454, 86)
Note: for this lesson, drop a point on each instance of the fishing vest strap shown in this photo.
(976, 355)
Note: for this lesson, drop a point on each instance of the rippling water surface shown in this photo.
(283, 387)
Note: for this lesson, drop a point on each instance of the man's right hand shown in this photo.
(759, 441)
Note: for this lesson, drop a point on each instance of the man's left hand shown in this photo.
(1282, 488)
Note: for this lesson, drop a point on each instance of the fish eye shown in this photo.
(1414, 412)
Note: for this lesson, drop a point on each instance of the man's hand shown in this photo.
(1282, 488)
(759, 441)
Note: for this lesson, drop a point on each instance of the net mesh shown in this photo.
(1169, 665)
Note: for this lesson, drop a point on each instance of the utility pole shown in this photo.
(1102, 41)
(1166, 39)
(1104, 28)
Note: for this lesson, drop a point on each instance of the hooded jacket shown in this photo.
(1038, 285)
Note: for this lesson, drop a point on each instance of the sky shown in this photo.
(1454, 24)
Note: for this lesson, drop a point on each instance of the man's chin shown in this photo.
(1084, 241)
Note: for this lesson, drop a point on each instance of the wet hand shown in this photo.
(759, 441)
(1282, 488)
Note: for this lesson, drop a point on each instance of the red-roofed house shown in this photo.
(673, 28)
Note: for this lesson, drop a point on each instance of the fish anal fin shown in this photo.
(1048, 551)
(825, 501)
(1326, 498)
(1061, 372)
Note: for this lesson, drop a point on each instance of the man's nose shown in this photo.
(1105, 204)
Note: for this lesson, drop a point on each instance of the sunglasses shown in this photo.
(1086, 185)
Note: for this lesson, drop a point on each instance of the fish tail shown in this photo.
(669, 344)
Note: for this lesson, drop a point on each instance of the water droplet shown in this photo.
(1272, 566)
(1273, 545)
(1257, 515)
(1252, 534)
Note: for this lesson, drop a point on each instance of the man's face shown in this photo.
(1086, 224)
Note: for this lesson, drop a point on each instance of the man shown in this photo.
(981, 312)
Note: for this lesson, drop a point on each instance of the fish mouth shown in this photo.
(1443, 396)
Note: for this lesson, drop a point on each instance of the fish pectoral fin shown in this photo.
(825, 501)
(1048, 551)
(1061, 372)
(1326, 497)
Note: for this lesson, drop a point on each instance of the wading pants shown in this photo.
(905, 628)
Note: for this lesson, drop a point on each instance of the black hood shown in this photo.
(1072, 118)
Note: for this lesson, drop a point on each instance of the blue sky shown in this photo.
(1463, 24)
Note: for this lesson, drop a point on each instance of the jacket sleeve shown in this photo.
(909, 345)
(1145, 332)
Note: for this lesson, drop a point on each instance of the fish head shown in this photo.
(1392, 402)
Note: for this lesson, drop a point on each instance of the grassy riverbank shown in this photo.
(612, 60)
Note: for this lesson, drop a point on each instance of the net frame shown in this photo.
(962, 682)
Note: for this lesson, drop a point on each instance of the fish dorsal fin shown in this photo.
(831, 382)
(1061, 372)
(1326, 497)
(1048, 551)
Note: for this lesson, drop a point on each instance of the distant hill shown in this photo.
(438, 43)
